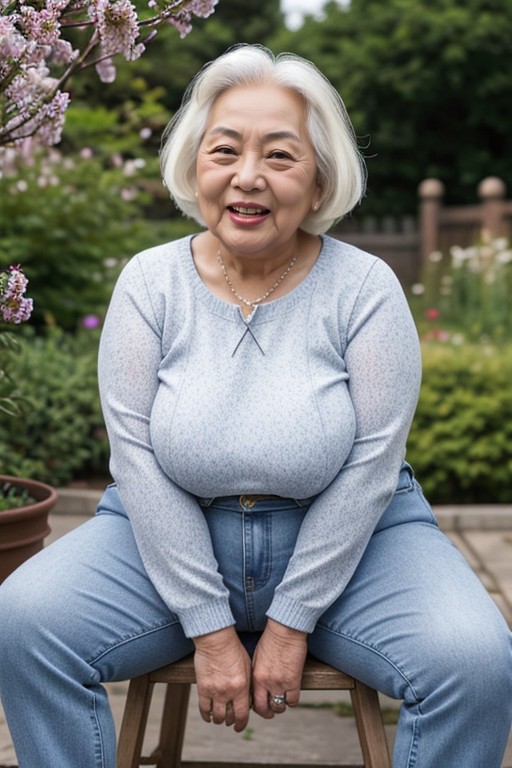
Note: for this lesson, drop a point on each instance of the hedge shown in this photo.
(460, 443)
(60, 434)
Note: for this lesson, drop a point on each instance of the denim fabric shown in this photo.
(413, 622)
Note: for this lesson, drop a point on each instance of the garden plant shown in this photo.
(461, 437)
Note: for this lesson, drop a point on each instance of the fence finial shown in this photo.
(492, 187)
(430, 192)
(431, 188)
(492, 191)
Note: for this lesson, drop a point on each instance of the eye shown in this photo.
(224, 150)
(279, 154)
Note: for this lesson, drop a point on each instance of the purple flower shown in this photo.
(14, 307)
(90, 322)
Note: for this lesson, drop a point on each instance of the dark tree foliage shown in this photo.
(427, 86)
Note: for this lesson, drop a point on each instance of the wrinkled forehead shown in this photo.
(270, 109)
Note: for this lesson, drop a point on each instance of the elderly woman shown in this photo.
(258, 382)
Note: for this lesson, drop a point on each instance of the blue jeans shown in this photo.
(414, 622)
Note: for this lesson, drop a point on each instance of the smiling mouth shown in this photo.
(248, 211)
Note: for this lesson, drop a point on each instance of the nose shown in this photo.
(248, 174)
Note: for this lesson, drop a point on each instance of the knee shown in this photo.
(477, 663)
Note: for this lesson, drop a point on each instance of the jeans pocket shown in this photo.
(408, 504)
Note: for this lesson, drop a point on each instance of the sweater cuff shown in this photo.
(207, 617)
(293, 614)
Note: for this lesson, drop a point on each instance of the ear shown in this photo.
(318, 197)
(317, 202)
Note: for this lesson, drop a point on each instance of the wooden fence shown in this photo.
(406, 243)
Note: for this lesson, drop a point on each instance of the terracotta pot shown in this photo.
(23, 530)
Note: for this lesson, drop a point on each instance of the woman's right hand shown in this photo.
(223, 677)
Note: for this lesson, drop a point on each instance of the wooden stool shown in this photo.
(179, 677)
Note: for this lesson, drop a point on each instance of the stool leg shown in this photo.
(134, 722)
(370, 726)
(172, 729)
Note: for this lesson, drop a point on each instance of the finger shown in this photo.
(218, 712)
(293, 697)
(241, 713)
(205, 708)
(260, 702)
(277, 706)
(230, 713)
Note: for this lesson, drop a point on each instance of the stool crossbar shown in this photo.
(180, 676)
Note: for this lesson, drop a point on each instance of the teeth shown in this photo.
(249, 211)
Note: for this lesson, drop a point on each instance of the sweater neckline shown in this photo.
(262, 312)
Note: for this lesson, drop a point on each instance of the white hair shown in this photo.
(340, 167)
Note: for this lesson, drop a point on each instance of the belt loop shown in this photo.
(205, 502)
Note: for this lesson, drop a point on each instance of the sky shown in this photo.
(295, 9)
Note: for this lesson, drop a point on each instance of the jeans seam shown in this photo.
(266, 570)
(247, 564)
(374, 649)
(413, 752)
(128, 639)
(406, 489)
(97, 729)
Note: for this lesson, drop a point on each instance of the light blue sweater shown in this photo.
(314, 394)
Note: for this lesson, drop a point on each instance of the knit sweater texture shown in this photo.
(313, 395)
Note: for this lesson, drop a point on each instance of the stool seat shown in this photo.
(181, 675)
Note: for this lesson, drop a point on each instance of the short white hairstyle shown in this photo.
(340, 167)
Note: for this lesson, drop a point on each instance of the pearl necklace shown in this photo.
(254, 302)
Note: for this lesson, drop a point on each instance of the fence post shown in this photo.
(430, 192)
(492, 191)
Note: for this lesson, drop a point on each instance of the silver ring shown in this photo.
(278, 700)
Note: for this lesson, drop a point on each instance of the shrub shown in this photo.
(60, 434)
(71, 222)
(467, 292)
(461, 439)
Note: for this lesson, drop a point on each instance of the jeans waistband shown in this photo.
(256, 502)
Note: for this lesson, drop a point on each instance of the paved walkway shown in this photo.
(313, 732)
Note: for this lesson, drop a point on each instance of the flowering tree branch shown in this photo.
(15, 308)
(36, 60)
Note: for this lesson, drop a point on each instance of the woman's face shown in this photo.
(256, 169)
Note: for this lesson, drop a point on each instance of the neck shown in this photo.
(258, 265)
(255, 300)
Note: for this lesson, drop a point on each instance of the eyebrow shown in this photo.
(272, 136)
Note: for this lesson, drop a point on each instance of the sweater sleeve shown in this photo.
(168, 524)
(383, 362)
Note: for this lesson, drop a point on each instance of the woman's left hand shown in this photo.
(277, 668)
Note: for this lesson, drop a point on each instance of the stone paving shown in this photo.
(313, 733)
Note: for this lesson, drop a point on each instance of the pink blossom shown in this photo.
(432, 313)
(106, 70)
(202, 8)
(33, 103)
(118, 27)
(182, 20)
(14, 307)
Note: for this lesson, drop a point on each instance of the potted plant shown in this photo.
(24, 508)
(24, 503)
